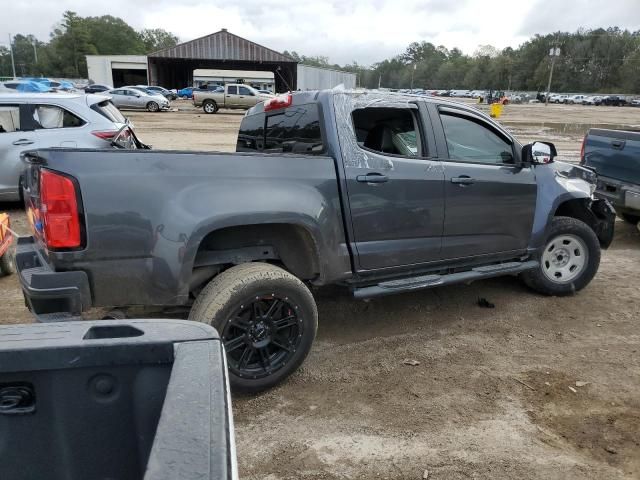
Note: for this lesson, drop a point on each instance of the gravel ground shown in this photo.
(536, 388)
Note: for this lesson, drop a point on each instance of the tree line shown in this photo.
(598, 60)
(73, 38)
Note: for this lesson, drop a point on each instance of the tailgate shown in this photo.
(614, 154)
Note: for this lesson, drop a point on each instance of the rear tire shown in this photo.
(153, 107)
(266, 318)
(209, 106)
(627, 217)
(570, 243)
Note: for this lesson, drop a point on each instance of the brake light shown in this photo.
(281, 101)
(105, 135)
(584, 141)
(59, 211)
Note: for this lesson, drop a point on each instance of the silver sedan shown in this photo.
(128, 98)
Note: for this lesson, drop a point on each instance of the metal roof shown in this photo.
(223, 45)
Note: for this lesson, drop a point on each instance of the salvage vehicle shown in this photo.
(51, 120)
(379, 193)
(615, 156)
(129, 98)
(234, 96)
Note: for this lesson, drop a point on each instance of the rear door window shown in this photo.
(51, 116)
(232, 90)
(9, 118)
(251, 134)
(391, 131)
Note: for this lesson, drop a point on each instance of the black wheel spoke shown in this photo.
(234, 343)
(240, 323)
(281, 343)
(272, 309)
(257, 309)
(245, 357)
(285, 322)
(265, 360)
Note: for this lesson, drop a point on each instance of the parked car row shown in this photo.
(608, 100)
(38, 85)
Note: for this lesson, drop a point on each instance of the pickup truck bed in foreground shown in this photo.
(378, 193)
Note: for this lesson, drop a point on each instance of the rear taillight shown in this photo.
(106, 134)
(282, 101)
(584, 141)
(59, 211)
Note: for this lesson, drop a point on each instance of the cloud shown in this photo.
(360, 30)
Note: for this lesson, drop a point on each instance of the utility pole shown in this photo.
(35, 52)
(555, 53)
(379, 81)
(13, 63)
(412, 72)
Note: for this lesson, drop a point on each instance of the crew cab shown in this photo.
(615, 157)
(233, 96)
(380, 193)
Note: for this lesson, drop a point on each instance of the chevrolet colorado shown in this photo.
(380, 193)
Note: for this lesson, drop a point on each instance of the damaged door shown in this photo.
(395, 188)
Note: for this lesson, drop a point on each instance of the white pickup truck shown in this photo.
(235, 96)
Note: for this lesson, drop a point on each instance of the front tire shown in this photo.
(266, 318)
(153, 107)
(569, 260)
(209, 106)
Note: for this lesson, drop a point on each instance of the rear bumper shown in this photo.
(624, 196)
(45, 290)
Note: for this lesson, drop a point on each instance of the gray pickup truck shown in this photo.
(380, 193)
(615, 156)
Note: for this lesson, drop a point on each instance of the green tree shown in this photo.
(154, 39)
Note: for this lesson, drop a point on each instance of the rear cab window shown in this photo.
(295, 129)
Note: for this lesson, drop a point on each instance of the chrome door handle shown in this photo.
(463, 180)
(23, 141)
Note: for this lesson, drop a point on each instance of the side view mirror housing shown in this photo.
(539, 153)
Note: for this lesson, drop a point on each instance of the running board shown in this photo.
(434, 280)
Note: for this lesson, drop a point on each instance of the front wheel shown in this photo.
(266, 318)
(209, 106)
(153, 107)
(569, 260)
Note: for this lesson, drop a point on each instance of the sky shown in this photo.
(365, 31)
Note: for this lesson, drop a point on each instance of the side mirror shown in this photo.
(137, 95)
(538, 153)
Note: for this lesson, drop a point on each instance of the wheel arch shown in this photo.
(293, 246)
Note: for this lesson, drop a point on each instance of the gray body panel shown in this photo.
(615, 156)
(146, 213)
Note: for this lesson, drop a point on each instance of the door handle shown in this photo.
(463, 180)
(617, 144)
(372, 178)
(23, 141)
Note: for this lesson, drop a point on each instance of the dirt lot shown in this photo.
(494, 394)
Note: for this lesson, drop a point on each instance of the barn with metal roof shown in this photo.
(173, 67)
